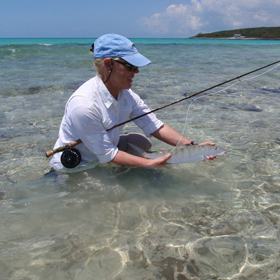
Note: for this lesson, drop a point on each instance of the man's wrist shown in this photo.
(192, 143)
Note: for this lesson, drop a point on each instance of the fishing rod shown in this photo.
(72, 144)
(192, 95)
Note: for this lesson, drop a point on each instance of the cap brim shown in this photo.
(136, 59)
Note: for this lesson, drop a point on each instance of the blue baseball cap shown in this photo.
(114, 45)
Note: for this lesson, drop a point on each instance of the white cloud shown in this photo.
(212, 15)
(176, 10)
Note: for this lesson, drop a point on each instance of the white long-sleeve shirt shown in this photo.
(90, 111)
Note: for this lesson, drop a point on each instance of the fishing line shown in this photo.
(194, 94)
(73, 154)
(215, 93)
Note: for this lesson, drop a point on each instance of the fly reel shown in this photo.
(70, 158)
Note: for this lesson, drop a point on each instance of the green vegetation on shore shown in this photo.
(246, 33)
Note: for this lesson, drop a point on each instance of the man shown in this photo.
(107, 100)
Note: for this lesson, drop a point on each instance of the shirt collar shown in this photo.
(106, 96)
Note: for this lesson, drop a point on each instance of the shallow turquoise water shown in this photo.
(195, 220)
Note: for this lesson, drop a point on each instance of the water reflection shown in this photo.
(205, 220)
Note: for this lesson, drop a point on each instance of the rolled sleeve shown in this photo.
(148, 123)
(108, 156)
(152, 127)
(101, 146)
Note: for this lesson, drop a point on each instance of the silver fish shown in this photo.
(183, 154)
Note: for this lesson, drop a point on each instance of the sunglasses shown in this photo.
(131, 67)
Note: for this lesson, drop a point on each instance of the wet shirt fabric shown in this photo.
(90, 112)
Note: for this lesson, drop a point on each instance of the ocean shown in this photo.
(204, 220)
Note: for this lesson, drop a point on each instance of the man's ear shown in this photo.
(108, 63)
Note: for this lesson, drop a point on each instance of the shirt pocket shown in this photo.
(125, 112)
(109, 119)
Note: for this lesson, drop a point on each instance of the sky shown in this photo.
(133, 19)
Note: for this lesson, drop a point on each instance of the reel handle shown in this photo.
(60, 149)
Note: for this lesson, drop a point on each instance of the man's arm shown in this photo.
(124, 158)
(170, 136)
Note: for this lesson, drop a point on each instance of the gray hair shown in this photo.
(99, 64)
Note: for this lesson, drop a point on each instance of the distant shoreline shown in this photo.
(257, 33)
